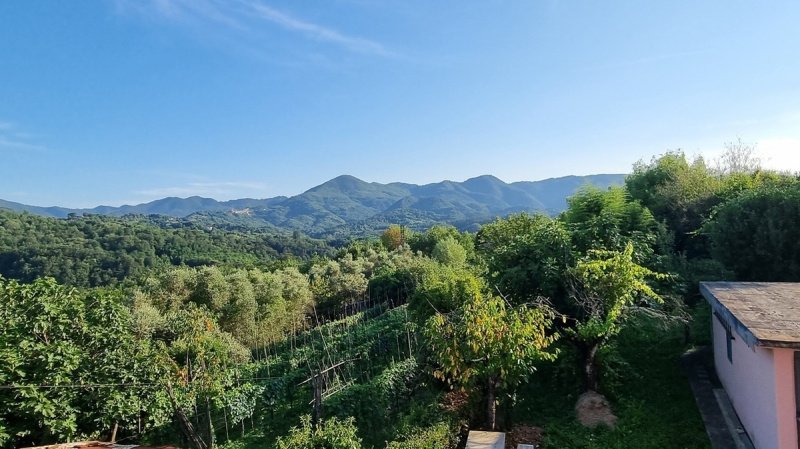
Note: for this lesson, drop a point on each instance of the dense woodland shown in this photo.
(155, 330)
(96, 250)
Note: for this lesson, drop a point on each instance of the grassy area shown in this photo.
(645, 384)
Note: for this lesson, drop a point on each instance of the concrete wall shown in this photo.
(760, 384)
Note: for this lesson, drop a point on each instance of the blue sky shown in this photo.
(112, 102)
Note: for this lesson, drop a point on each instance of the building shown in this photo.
(756, 332)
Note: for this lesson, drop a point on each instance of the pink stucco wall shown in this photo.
(760, 384)
(785, 397)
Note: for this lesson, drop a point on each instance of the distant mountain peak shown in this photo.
(485, 178)
(341, 182)
(346, 205)
(346, 178)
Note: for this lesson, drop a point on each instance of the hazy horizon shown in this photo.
(305, 190)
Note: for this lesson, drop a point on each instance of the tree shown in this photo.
(440, 288)
(338, 282)
(757, 235)
(609, 219)
(81, 345)
(486, 342)
(426, 242)
(739, 157)
(679, 193)
(526, 256)
(393, 237)
(207, 359)
(607, 285)
(449, 252)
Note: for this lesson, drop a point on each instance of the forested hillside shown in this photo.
(162, 331)
(94, 250)
(347, 206)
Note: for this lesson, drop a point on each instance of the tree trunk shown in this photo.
(589, 367)
(491, 403)
(210, 428)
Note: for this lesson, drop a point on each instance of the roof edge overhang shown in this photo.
(751, 340)
(721, 311)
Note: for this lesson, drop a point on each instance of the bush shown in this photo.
(439, 436)
(329, 434)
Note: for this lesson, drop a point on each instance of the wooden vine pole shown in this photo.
(186, 426)
(318, 384)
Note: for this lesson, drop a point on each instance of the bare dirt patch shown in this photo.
(523, 434)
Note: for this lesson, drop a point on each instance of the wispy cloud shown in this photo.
(218, 190)
(318, 32)
(248, 18)
(13, 139)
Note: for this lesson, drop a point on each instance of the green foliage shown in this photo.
(610, 220)
(254, 306)
(526, 256)
(757, 234)
(608, 284)
(441, 289)
(661, 417)
(679, 193)
(379, 402)
(484, 342)
(393, 277)
(449, 252)
(425, 242)
(378, 385)
(338, 282)
(330, 434)
(439, 436)
(486, 339)
(393, 237)
(683, 194)
(100, 251)
(55, 339)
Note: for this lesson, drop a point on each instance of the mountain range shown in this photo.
(347, 205)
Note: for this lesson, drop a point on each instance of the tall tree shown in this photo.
(680, 193)
(526, 256)
(607, 286)
(610, 219)
(75, 367)
(757, 235)
(485, 342)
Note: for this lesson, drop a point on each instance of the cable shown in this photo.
(107, 385)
